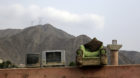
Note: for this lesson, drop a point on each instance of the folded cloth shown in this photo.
(93, 45)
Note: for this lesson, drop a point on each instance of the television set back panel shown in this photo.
(33, 60)
(53, 58)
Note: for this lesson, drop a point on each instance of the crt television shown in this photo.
(32, 60)
(53, 58)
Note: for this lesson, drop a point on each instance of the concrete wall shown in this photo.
(129, 71)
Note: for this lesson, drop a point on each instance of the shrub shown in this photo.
(7, 64)
(72, 64)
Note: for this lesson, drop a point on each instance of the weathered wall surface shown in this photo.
(129, 71)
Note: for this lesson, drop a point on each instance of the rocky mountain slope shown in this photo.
(37, 39)
(134, 56)
(15, 44)
(9, 32)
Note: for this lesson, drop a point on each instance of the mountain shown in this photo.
(37, 39)
(134, 56)
(124, 59)
(9, 32)
(16, 43)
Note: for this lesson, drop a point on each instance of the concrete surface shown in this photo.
(114, 58)
(127, 71)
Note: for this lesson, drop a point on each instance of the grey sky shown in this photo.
(104, 19)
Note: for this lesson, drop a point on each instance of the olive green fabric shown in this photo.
(103, 52)
(87, 53)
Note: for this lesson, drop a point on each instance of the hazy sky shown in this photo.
(104, 19)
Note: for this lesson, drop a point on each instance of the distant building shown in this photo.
(1, 60)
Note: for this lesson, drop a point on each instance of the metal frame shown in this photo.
(45, 64)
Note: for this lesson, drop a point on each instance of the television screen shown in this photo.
(32, 59)
(53, 57)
